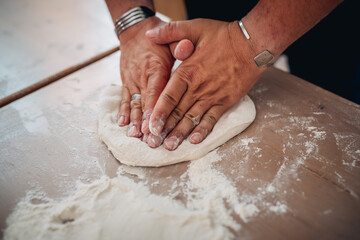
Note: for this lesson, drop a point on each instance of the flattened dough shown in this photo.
(134, 152)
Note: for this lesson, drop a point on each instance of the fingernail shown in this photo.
(156, 126)
(171, 143)
(195, 137)
(152, 33)
(133, 131)
(121, 121)
(154, 141)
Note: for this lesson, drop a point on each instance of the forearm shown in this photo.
(118, 7)
(276, 24)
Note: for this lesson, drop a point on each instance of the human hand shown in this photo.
(145, 69)
(219, 73)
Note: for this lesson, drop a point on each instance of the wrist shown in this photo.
(118, 8)
(261, 39)
(139, 29)
(244, 49)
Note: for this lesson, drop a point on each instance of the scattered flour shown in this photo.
(216, 191)
(112, 209)
(349, 145)
(279, 208)
(122, 208)
(136, 171)
(342, 182)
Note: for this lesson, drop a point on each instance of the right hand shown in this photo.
(145, 68)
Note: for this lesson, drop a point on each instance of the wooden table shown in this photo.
(302, 151)
(304, 142)
(39, 39)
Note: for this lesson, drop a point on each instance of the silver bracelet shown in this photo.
(131, 17)
(262, 59)
(244, 30)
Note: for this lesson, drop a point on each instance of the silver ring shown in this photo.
(136, 96)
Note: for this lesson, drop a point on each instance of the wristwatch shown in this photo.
(131, 17)
(264, 58)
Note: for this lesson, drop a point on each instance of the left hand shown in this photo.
(218, 74)
(145, 69)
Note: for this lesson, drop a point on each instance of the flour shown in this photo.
(215, 191)
(342, 183)
(122, 208)
(111, 209)
(349, 144)
(136, 171)
(279, 208)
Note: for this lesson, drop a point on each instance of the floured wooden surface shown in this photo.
(40, 38)
(298, 163)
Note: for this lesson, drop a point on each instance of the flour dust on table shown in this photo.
(124, 208)
(134, 152)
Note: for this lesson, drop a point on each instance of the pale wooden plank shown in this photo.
(41, 38)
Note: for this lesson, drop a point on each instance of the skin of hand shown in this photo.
(204, 86)
(145, 68)
(222, 69)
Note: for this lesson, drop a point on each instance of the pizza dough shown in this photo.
(134, 152)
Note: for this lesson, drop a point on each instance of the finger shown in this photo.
(167, 101)
(135, 114)
(182, 50)
(171, 32)
(145, 137)
(190, 120)
(207, 123)
(155, 141)
(143, 99)
(124, 108)
(186, 102)
(156, 84)
(175, 116)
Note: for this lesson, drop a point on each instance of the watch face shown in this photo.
(263, 58)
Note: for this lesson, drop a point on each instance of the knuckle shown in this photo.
(210, 118)
(186, 74)
(190, 116)
(124, 102)
(154, 66)
(136, 104)
(153, 91)
(177, 114)
(171, 28)
(195, 119)
(170, 100)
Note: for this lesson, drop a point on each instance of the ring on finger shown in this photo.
(136, 96)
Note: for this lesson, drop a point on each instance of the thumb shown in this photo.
(182, 50)
(170, 32)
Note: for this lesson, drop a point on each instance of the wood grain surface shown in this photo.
(301, 154)
(41, 38)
